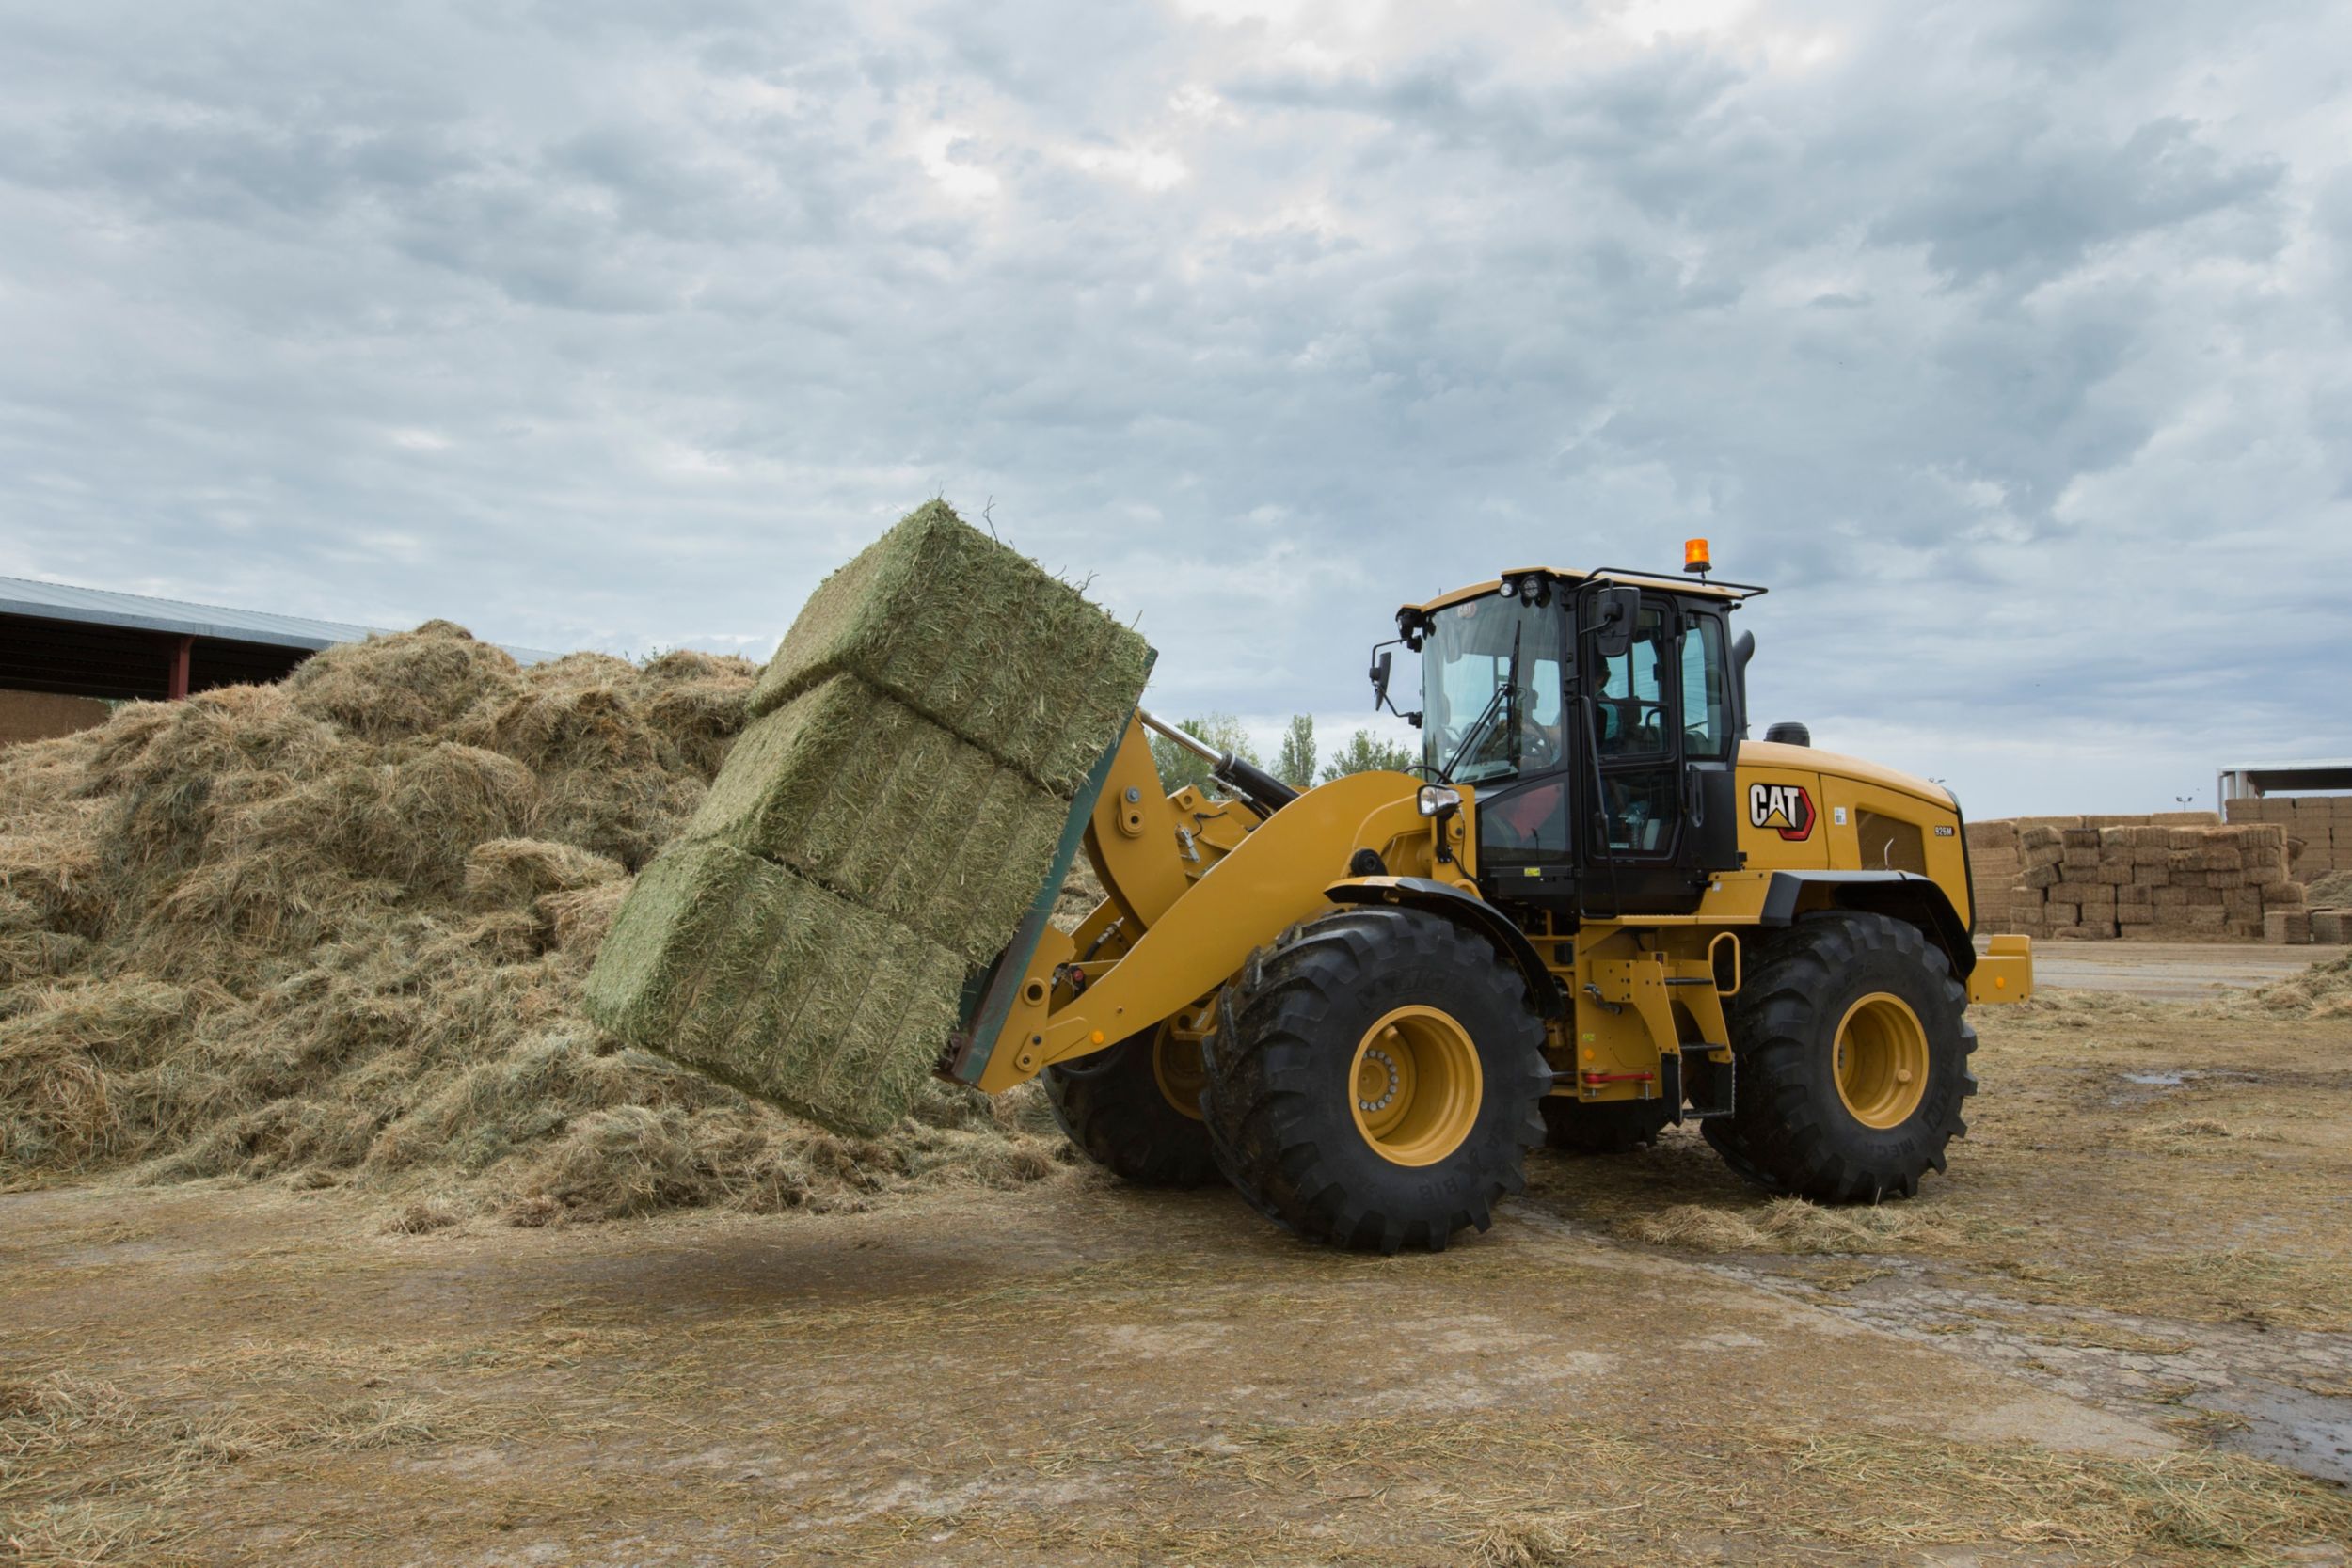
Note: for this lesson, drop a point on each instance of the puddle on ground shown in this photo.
(2303, 1431)
(2176, 1077)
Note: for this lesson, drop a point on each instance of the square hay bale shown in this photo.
(2210, 918)
(2040, 836)
(975, 637)
(2185, 819)
(2074, 858)
(1999, 834)
(2079, 838)
(2285, 896)
(2169, 896)
(2116, 840)
(2135, 914)
(747, 973)
(2136, 893)
(2150, 854)
(2282, 926)
(2063, 913)
(2116, 874)
(2333, 926)
(2041, 875)
(876, 803)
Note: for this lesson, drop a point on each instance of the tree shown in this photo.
(1366, 752)
(1295, 767)
(1179, 766)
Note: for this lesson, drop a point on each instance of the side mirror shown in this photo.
(1380, 663)
(1616, 612)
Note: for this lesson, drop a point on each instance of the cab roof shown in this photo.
(1733, 592)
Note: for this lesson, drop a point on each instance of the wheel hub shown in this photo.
(1882, 1060)
(1415, 1085)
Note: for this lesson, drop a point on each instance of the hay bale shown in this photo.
(736, 968)
(863, 796)
(976, 638)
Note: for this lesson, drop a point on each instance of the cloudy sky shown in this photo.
(2007, 341)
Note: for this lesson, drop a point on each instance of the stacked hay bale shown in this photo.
(2318, 828)
(2171, 876)
(880, 829)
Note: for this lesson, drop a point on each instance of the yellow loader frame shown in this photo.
(1194, 884)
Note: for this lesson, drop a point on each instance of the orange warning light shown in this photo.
(1695, 556)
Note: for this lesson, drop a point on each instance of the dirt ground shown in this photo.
(2120, 1330)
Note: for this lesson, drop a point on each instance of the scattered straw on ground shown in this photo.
(335, 930)
(1787, 1225)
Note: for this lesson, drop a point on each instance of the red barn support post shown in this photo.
(181, 647)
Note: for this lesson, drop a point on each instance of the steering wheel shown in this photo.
(1538, 749)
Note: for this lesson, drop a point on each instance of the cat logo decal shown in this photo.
(1785, 809)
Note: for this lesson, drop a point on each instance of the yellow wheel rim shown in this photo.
(1414, 1086)
(1176, 1064)
(1882, 1060)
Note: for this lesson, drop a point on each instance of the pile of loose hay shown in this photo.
(878, 833)
(2323, 990)
(337, 930)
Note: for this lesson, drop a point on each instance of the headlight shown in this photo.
(1438, 800)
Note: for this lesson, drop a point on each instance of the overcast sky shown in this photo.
(2007, 341)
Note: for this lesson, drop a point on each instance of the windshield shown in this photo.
(1465, 661)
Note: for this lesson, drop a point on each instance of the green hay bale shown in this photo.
(974, 637)
(763, 980)
(847, 787)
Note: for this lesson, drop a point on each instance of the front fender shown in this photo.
(1465, 909)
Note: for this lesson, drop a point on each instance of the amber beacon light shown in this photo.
(1695, 556)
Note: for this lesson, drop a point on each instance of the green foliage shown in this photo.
(1179, 766)
(1295, 767)
(1367, 752)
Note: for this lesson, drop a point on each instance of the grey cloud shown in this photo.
(1989, 345)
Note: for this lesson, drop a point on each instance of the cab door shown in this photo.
(1634, 782)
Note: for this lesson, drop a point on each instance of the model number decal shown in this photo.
(1785, 809)
(1947, 832)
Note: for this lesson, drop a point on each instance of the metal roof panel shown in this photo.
(104, 607)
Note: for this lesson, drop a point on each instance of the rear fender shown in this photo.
(1901, 895)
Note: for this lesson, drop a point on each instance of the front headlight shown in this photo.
(1438, 800)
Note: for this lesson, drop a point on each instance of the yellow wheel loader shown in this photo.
(1591, 910)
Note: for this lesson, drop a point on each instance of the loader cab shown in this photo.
(1597, 716)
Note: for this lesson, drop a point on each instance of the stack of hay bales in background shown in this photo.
(2318, 828)
(2170, 876)
(879, 829)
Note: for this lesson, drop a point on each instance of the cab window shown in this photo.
(1706, 711)
(1630, 708)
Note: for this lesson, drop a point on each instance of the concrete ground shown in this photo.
(2171, 970)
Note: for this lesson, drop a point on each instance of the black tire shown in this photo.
(1281, 1083)
(1610, 1128)
(1792, 1129)
(1111, 1105)
(1724, 1138)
